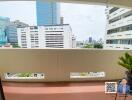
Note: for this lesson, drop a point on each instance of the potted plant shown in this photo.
(126, 62)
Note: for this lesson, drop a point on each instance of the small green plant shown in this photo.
(24, 74)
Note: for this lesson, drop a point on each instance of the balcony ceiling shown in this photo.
(120, 3)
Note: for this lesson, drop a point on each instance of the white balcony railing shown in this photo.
(120, 23)
(118, 46)
(120, 35)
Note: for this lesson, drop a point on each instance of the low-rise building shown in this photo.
(49, 36)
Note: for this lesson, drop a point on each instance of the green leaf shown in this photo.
(126, 61)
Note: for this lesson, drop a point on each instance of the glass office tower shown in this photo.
(48, 13)
(4, 21)
(11, 32)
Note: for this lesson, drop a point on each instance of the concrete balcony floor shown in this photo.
(57, 91)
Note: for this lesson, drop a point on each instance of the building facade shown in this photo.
(19, 24)
(50, 36)
(80, 44)
(4, 21)
(48, 13)
(118, 29)
(74, 44)
(11, 31)
(90, 40)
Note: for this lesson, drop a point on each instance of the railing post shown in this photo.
(2, 97)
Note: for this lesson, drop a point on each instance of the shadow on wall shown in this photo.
(1, 92)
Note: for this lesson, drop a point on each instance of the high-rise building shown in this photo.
(90, 40)
(11, 31)
(4, 21)
(50, 36)
(118, 29)
(48, 13)
(61, 20)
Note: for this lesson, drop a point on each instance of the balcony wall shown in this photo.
(57, 64)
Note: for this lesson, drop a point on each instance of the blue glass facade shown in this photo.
(48, 13)
(3, 25)
(11, 32)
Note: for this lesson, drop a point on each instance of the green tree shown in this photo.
(15, 46)
(98, 45)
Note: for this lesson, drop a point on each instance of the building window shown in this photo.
(120, 41)
(120, 29)
(113, 10)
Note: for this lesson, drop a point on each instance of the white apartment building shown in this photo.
(50, 36)
(118, 29)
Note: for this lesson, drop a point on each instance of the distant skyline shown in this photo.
(85, 20)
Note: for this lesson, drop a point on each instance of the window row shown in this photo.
(120, 41)
(120, 29)
(127, 14)
(113, 10)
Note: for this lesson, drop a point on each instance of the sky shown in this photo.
(85, 20)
